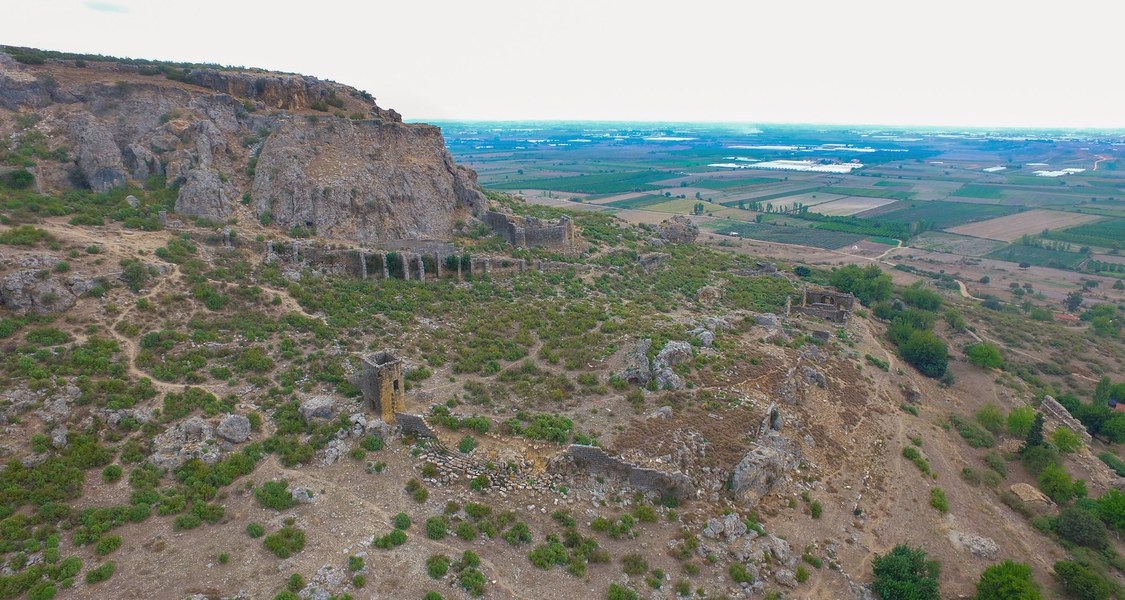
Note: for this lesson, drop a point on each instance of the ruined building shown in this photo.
(383, 384)
(530, 232)
(826, 304)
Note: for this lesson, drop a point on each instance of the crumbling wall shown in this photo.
(525, 232)
(413, 425)
(596, 460)
(1061, 416)
(383, 384)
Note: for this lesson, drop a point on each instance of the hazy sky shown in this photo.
(953, 62)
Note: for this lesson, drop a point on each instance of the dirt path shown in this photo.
(965, 290)
(130, 347)
(1100, 159)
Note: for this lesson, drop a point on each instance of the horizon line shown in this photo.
(1114, 129)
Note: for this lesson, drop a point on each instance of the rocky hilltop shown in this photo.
(291, 149)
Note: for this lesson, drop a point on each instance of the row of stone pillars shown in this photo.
(413, 266)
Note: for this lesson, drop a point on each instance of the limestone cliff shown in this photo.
(295, 150)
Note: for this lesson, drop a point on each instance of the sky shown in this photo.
(983, 63)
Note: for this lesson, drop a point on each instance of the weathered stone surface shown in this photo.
(25, 291)
(99, 158)
(979, 546)
(813, 376)
(318, 409)
(204, 194)
(192, 438)
(770, 321)
(234, 428)
(786, 578)
(678, 230)
(361, 180)
(766, 465)
(1031, 495)
(706, 337)
(674, 353)
(302, 494)
(637, 370)
(58, 437)
(1061, 416)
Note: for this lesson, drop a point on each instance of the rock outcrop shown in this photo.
(300, 151)
(678, 230)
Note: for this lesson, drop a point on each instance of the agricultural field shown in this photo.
(943, 215)
(643, 201)
(729, 184)
(596, 183)
(1105, 233)
(850, 205)
(976, 190)
(868, 192)
(804, 236)
(1032, 222)
(1039, 257)
(940, 241)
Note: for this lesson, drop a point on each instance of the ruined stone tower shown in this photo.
(383, 385)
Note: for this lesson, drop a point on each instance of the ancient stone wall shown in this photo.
(525, 232)
(1061, 416)
(413, 425)
(596, 460)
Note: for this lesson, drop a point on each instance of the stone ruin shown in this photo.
(384, 384)
(530, 232)
(826, 304)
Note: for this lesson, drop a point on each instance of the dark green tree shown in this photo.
(1081, 582)
(1035, 435)
(905, 574)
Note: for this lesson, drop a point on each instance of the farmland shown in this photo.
(1039, 257)
(943, 215)
(1031, 222)
(804, 236)
(1106, 233)
(596, 183)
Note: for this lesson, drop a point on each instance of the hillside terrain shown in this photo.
(205, 271)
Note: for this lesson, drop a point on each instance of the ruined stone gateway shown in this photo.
(530, 232)
(826, 304)
(383, 384)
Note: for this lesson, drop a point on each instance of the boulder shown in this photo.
(709, 294)
(786, 578)
(674, 353)
(320, 409)
(637, 370)
(666, 379)
(977, 545)
(770, 321)
(814, 376)
(99, 158)
(58, 437)
(303, 495)
(678, 230)
(234, 428)
(706, 337)
(25, 291)
(765, 467)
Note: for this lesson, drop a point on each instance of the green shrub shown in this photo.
(255, 530)
(286, 542)
(938, 501)
(466, 531)
(44, 590)
(1020, 420)
(437, 566)
(1081, 527)
(295, 583)
(519, 533)
(634, 564)
(372, 443)
(739, 573)
(990, 417)
(985, 355)
(906, 574)
(275, 495)
(402, 521)
(437, 527)
(816, 509)
(1007, 581)
(1082, 582)
(107, 544)
(112, 473)
(355, 563)
(1066, 440)
(619, 592)
(101, 573)
(467, 444)
(974, 435)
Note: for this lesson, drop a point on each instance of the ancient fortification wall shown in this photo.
(596, 460)
(525, 232)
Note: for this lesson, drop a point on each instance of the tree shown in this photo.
(905, 574)
(1020, 420)
(985, 355)
(1111, 509)
(1034, 437)
(1056, 483)
(1113, 428)
(1073, 301)
(1081, 582)
(1007, 581)
(1101, 391)
(990, 417)
(1082, 527)
(927, 353)
(1066, 440)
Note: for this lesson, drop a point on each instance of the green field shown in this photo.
(868, 192)
(727, 184)
(804, 236)
(768, 197)
(639, 202)
(888, 183)
(1040, 257)
(943, 215)
(595, 183)
(976, 190)
(1106, 233)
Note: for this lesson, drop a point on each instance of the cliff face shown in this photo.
(301, 150)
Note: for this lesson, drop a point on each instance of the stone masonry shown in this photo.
(383, 384)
